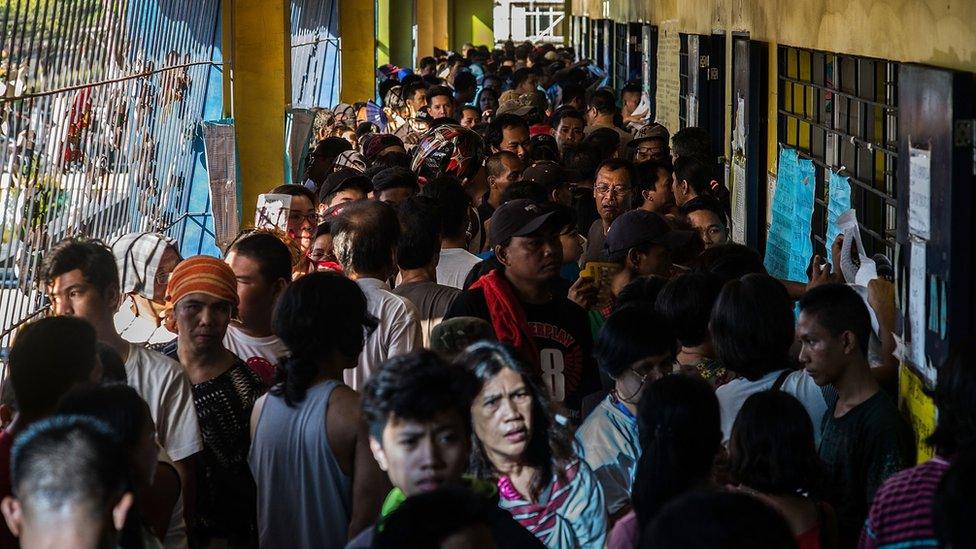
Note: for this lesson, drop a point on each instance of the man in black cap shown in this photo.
(555, 178)
(345, 185)
(322, 159)
(642, 242)
(394, 185)
(550, 332)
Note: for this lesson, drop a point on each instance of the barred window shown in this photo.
(840, 111)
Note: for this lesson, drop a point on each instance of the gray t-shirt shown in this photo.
(431, 300)
(595, 240)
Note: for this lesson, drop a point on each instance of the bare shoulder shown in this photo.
(344, 415)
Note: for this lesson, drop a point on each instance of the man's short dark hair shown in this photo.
(439, 90)
(416, 386)
(525, 189)
(420, 232)
(412, 89)
(68, 462)
(752, 326)
(48, 358)
(585, 159)
(572, 92)
(92, 257)
(394, 177)
(521, 75)
(296, 190)
(691, 141)
(606, 140)
(705, 203)
(508, 120)
(495, 163)
(629, 335)
(454, 204)
(632, 87)
(694, 171)
(603, 101)
(561, 114)
(268, 251)
(686, 304)
(470, 108)
(616, 164)
(364, 236)
(839, 309)
(429, 518)
(427, 61)
(465, 81)
(647, 175)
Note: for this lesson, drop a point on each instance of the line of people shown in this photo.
(500, 310)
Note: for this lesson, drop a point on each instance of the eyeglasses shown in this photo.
(649, 151)
(296, 217)
(619, 192)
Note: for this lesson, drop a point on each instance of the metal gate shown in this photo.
(99, 102)
(314, 53)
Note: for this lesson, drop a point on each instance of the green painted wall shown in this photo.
(471, 21)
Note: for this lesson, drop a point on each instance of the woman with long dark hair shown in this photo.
(773, 457)
(309, 454)
(518, 444)
(678, 422)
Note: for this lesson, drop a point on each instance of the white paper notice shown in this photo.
(272, 211)
(916, 304)
(739, 199)
(739, 130)
(919, 193)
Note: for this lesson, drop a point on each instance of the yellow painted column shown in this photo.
(383, 39)
(357, 32)
(261, 53)
(425, 29)
(442, 37)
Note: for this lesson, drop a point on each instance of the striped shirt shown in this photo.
(901, 515)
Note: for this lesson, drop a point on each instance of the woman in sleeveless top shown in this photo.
(310, 452)
(518, 445)
(773, 457)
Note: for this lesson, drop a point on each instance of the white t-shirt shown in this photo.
(454, 265)
(160, 381)
(261, 354)
(139, 329)
(733, 395)
(397, 333)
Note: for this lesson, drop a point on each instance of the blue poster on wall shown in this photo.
(788, 245)
(839, 201)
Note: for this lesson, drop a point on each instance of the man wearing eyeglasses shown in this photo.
(651, 143)
(612, 191)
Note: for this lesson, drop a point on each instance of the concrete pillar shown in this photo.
(424, 10)
(261, 56)
(401, 16)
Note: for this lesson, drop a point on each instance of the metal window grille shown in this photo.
(315, 53)
(684, 81)
(621, 54)
(99, 102)
(841, 111)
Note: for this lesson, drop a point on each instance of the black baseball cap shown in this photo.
(330, 147)
(520, 217)
(343, 179)
(550, 174)
(638, 227)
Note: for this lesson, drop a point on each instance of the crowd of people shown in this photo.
(503, 310)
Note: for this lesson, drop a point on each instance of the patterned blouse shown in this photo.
(226, 497)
